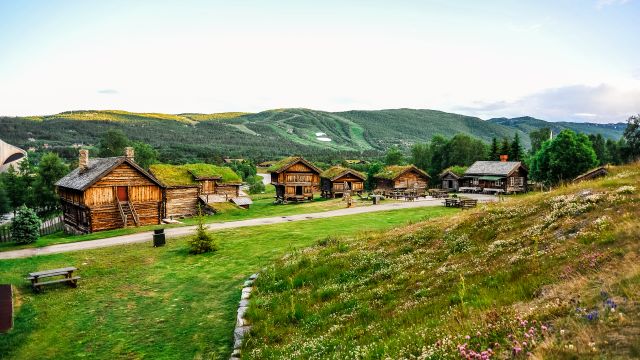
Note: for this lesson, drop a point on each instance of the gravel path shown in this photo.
(187, 230)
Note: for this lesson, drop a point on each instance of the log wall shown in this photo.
(181, 202)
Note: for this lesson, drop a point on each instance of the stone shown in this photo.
(253, 277)
(248, 283)
(247, 289)
(244, 303)
(238, 335)
(245, 296)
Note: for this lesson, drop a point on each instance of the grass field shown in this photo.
(262, 207)
(547, 275)
(138, 302)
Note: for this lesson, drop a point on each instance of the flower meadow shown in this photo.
(542, 275)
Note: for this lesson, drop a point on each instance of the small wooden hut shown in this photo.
(401, 177)
(295, 179)
(186, 186)
(109, 193)
(496, 177)
(450, 178)
(600, 171)
(337, 180)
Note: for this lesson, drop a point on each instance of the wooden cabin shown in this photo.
(592, 174)
(337, 180)
(401, 177)
(295, 179)
(450, 180)
(190, 185)
(496, 177)
(109, 193)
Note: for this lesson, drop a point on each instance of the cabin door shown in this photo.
(450, 184)
(123, 194)
(299, 190)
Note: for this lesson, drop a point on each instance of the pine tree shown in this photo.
(493, 151)
(25, 227)
(516, 149)
(202, 241)
(505, 148)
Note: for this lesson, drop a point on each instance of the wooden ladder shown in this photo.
(128, 211)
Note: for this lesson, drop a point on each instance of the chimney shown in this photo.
(128, 152)
(83, 160)
(504, 158)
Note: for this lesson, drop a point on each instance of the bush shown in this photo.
(25, 227)
(256, 186)
(201, 242)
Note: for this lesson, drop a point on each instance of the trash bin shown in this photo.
(158, 237)
(376, 200)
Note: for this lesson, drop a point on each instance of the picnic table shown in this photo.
(493, 191)
(461, 203)
(470, 189)
(66, 273)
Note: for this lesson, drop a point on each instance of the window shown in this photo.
(475, 181)
(516, 181)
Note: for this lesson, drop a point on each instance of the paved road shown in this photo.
(186, 230)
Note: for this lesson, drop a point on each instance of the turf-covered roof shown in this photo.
(335, 172)
(455, 170)
(393, 171)
(283, 164)
(188, 174)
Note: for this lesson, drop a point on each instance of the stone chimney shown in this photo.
(504, 158)
(128, 152)
(83, 160)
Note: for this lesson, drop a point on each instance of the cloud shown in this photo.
(603, 103)
(604, 3)
(108, 91)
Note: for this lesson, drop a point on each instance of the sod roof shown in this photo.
(187, 175)
(336, 171)
(393, 171)
(283, 164)
(455, 170)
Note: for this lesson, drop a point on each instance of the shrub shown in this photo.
(201, 242)
(256, 186)
(25, 227)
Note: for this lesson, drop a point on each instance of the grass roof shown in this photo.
(185, 175)
(393, 171)
(458, 170)
(282, 163)
(334, 171)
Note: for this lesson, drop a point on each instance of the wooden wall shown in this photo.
(181, 202)
(124, 175)
(229, 190)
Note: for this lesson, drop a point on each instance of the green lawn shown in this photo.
(262, 207)
(138, 302)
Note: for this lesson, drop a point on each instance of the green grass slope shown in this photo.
(274, 133)
(548, 275)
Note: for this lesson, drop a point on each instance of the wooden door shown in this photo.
(123, 195)
(299, 190)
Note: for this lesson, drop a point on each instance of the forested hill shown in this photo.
(273, 133)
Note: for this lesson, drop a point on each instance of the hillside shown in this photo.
(273, 133)
(552, 275)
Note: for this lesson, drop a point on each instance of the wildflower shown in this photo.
(524, 344)
(543, 328)
(517, 350)
(562, 332)
(467, 337)
(478, 333)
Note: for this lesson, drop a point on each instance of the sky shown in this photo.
(561, 60)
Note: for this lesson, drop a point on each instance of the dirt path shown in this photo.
(186, 230)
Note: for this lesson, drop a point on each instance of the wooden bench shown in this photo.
(468, 203)
(451, 202)
(66, 273)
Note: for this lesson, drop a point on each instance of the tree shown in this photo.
(202, 241)
(538, 137)
(612, 152)
(463, 150)
(563, 158)
(632, 137)
(50, 170)
(25, 226)
(256, 186)
(373, 169)
(113, 143)
(393, 156)
(505, 148)
(420, 156)
(599, 146)
(14, 187)
(494, 153)
(145, 154)
(5, 205)
(516, 152)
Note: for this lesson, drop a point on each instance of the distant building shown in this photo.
(496, 176)
(10, 156)
(295, 179)
(592, 174)
(450, 179)
(401, 177)
(337, 180)
(230, 161)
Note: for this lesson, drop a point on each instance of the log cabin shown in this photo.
(109, 193)
(592, 174)
(450, 178)
(337, 180)
(190, 185)
(496, 176)
(295, 179)
(401, 177)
